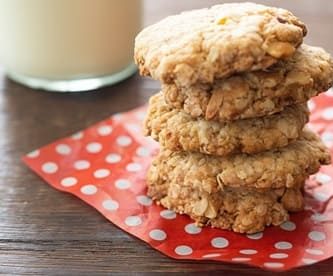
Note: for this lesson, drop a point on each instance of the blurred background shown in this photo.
(79, 45)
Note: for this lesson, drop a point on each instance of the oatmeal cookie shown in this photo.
(242, 210)
(177, 131)
(285, 167)
(259, 93)
(207, 44)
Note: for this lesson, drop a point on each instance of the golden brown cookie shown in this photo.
(259, 93)
(288, 167)
(178, 131)
(207, 44)
(239, 209)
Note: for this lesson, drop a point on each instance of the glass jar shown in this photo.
(68, 45)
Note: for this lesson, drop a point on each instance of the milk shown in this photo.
(64, 40)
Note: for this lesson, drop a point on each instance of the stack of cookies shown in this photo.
(231, 114)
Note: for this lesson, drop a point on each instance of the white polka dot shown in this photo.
(322, 197)
(63, 149)
(283, 245)
(327, 136)
(123, 184)
(117, 116)
(314, 251)
(319, 217)
(142, 152)
(133, 221)
(255, 236)
(157, 235)
(33, 154)
(241, 259)
(309, 261)
(110, 204)
(183, 250)
(317, 236)
(273, 265)
(81, 165)
(144, 200)
(329, 92)
(112, 158)
(248, 251)
(219, 242)
(278, 255)
(168, 214)
(101, 173)
(212, 255)
(133, 167)
(133, 127)
(89, 189)
(288, 226)
(68, 181)
(124, 141)
(311, 105)
(77, 136)
(140, 115)
(191, 228)
(323, 178)
(327, 113)
(104, 130)
(94, 147)
(49, 167)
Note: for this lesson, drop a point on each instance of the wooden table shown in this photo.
(43, 231)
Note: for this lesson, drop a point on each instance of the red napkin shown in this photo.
(105, 166)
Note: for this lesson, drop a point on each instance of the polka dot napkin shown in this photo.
(105, 166)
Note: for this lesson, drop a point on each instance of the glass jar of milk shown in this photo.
(68, 45)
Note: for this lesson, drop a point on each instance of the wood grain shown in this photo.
(43, 231)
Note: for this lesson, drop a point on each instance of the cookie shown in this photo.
(208, 44)
(260, 93)
(288, 167)
(177, 131)
(238, 209)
